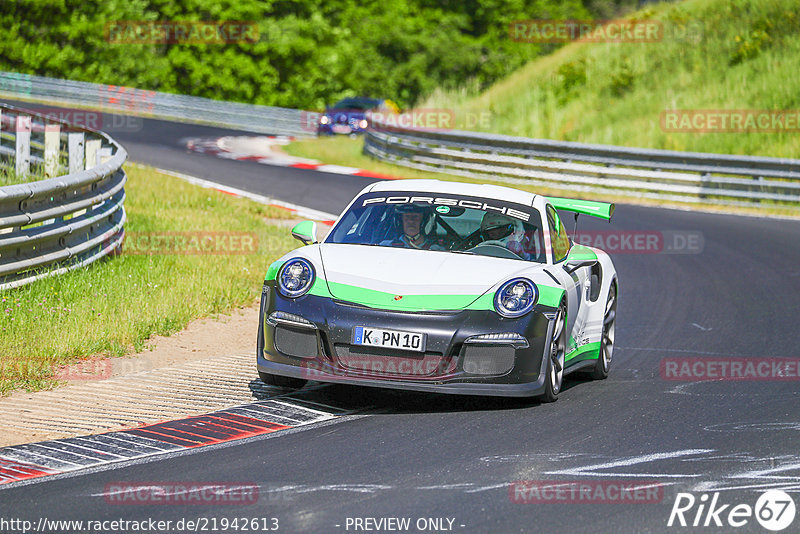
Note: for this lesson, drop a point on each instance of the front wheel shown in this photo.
(556, 354)
(600, 370)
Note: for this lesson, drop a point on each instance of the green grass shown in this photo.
(113, 306)
(9, 176)
(716, 54)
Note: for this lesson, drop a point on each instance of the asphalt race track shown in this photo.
(731, 294)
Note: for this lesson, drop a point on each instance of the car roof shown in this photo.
(357, 100)
(496, 192)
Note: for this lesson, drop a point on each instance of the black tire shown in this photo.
(601, 368)
(555, 355)
(282, 381)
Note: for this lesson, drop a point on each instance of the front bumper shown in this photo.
(321, 348)
(328, 129)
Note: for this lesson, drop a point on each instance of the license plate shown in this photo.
(341, 129)
(392, 339)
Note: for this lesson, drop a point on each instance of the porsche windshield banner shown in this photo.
(451, 201)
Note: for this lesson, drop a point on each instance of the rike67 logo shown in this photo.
(774, 510)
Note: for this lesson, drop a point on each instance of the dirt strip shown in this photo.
(208, 366)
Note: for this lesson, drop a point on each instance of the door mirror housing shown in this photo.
(306, 232)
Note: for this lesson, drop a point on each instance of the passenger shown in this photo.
(502, 230)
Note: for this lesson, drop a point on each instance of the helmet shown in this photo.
(493, 221)
(425, 211)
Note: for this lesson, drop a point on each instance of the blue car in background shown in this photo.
(349, 115)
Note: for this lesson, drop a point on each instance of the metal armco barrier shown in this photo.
(632, 172)
(54, 225)
(127, 100)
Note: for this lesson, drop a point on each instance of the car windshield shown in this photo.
(363, 104)
(451, 223)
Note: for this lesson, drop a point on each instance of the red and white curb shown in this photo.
(35, 460)
(300, 211)
(230, 148)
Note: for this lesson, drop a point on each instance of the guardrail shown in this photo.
(633, 172)
(61, 223)
(128, 100)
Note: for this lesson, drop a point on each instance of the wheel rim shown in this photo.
(557, 350)
(609, 322)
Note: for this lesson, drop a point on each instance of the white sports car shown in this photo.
(441, 286)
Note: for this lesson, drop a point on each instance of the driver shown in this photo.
(502, 230)
(414, 219)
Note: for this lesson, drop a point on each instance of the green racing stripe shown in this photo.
(590, 351)
(272, 271)
(603, 210)
(548, 296)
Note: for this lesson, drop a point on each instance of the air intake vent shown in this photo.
(483, 360)
(295, 342)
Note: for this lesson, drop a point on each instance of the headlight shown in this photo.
(295, 277)
(324, 119)
(516, 297)
(363, 123)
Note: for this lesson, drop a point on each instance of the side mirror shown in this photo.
(306, 232)
(573, 265)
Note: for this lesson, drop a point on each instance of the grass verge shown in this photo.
(113, 306)
(714, 55)
(341, 150)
